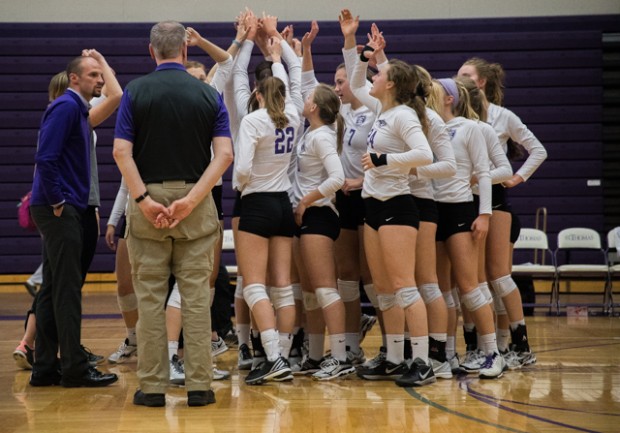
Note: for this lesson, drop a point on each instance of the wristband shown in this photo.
(142, 197)
(364, 49)
(378, 160)
(236, 42)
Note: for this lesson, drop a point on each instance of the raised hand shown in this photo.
(309, 37)
(193, 37)
(92, 53)
(288, 34)
(376, 39)
(269, 24)
(274, 49)
(348, 23)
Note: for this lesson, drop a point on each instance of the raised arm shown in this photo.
(113, 91)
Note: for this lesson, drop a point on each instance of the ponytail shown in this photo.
(328, 104)
(494, 75)
(407, 87)
(273, 91)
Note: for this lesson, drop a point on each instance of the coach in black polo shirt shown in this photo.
(165, 126)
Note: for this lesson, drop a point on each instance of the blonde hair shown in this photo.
(58, 84)
(494, 75)
(406, 83)
(273, 91)
(328, 104)
(476, 97)
(463, 106)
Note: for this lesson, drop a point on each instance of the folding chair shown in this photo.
(613, 258)
(534, 240)
(573, 240)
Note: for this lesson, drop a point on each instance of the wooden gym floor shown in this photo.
(574, 387)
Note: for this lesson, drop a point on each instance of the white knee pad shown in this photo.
(386, 301)
(239, 288)
(486, 292)
(473, 300)
(326, 296)
(310, 301)
(282, 297)
(175, 297)
(504, 286)
(457, 298)
(407, 296)
(430, 292)
(349, 290)
(254, 293)
(127, 302)
(371, 294)
(449, 298)
(297, 294)
(500, 308)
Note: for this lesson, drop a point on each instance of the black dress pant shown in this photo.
(59, 302)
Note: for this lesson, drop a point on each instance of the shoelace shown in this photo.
(488, 362)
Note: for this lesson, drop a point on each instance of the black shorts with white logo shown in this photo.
(498, 200)
(319, 220)
(351, 209)
(217, 198)
(427, 209)
(237, 206)
(455, 218)
(396, 211)
(267, 214)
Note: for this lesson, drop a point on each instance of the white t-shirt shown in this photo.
(471, 157)
(264, 152)
(318, 166)
(508, 125)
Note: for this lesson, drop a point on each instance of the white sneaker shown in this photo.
(220, 374)
(378, 359)
(356, 358)
(218, 347)
(493, 367)
(331, 368)
(366, 324)
(455, 364)
(125, 353)
(473, 361)
(442, 370)
(177, 371)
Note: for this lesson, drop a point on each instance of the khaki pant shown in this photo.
(187, 252)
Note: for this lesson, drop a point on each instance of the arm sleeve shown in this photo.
(247, 140)
(331, 161)
(480, 160)
(308, 83)
(222, 73)
(410, 130)
(445, 162)
(241, 85)
(120, 203)
(55, 131)
(502, 170)
(537, 153)
(357, 82)
(294, 75)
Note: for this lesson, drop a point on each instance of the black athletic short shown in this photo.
(396, 211)
(515, 228)
(427, 209)
(351, 209)
(237, 206)
(267, 214)
(455, 218)
(217, 198)
(319, 220)
(498, 200)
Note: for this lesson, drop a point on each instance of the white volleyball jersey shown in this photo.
(264, 152)
(444, 164)
(318, 166)
(471, 157)
(508, 125)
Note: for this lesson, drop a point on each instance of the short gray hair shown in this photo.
(167, 39)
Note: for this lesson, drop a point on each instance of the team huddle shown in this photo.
(389, 181)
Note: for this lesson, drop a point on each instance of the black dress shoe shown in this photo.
(200, 398)
(38, 379)
(150, 400)
(92, 378)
